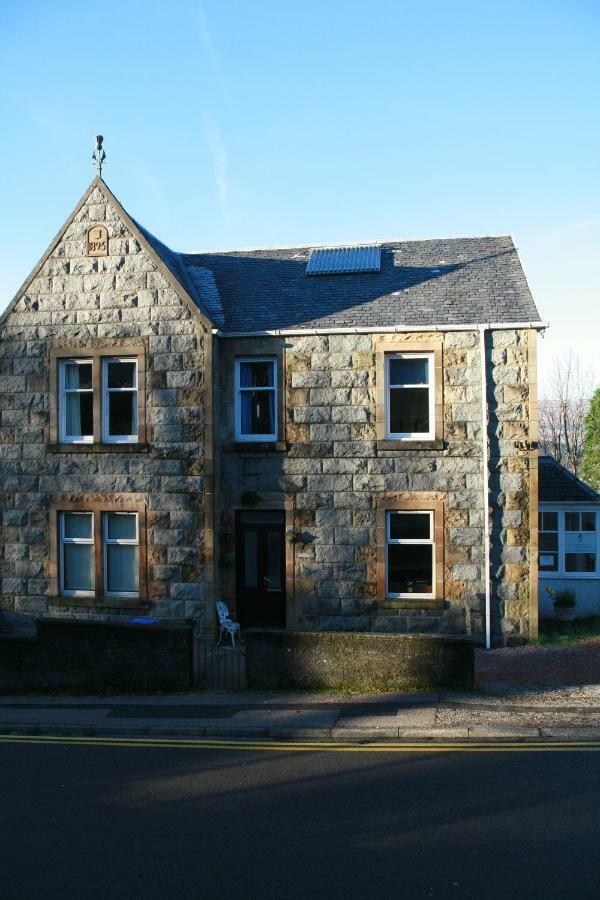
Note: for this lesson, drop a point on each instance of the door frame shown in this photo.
(287, 506)
(258, 602)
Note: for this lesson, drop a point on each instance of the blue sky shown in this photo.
(231, 124)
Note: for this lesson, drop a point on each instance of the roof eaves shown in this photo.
(566, 473)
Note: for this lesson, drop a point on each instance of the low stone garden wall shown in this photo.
(356, 661)
(69, 655)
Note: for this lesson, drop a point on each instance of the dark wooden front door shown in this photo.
(260, 568)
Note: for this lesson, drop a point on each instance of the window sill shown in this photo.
(410, 445)
(98, 448)
(411, 604)
(255, 447)
(101, 602)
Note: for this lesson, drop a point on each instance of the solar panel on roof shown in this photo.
(340, 260)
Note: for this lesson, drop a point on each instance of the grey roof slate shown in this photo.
(207, 291)
(453, 281)
(558, 485)
(425, 282)
(197, 281)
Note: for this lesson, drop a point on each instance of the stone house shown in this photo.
(569, 539)
(308, 433)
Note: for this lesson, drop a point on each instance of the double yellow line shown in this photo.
(310, 746)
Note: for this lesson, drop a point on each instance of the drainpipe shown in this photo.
(486, 487)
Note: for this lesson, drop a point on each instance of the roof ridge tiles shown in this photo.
(363, 242)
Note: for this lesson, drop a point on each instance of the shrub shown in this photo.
(565, 599)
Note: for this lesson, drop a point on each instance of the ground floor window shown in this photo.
(120, 554)
(77, 554)
(410, 550)
(568, 542)
(410, 546)
(99, 553)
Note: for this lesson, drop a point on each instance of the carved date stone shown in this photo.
(97, 241)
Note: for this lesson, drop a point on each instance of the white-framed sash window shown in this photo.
(410, 554)
(76, 401)
(119, 400)
(256, 398)
(410, 396)
(569, 542)
(120, 554)
(77, 569)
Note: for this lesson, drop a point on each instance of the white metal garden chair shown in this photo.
(226, 624)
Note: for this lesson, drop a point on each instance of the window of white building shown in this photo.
(568, 542)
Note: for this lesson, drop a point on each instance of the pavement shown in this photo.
(498, 712)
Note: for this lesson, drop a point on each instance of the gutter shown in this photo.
(384, 329)
(486, 486)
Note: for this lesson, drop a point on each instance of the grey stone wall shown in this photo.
(91, 657)
(367, 662)
(334, 472)
(73, 301)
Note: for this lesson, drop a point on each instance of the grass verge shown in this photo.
(555, 634)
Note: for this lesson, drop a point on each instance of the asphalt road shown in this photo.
(146, 822)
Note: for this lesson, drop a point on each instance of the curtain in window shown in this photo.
(73, 414)
(257, 408)
(79, 567)
(73, 405)
(246, 412)
(121, 559)
(78, 399)
(271, 396)
(122, 568)
(121, 526)
(246, 372)
(72, 376)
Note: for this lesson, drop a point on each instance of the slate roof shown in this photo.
(558, 485)
(425, 282)
(454, 281)
(196, 280)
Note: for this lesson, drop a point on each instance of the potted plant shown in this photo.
(564, 604)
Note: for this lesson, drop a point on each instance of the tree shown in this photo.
(562, 409)
(590, 469)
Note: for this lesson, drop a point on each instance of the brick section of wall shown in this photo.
(334, 474)
(74, 301)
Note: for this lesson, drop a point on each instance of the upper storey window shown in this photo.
(99, 400)
(77, 401)
(119, 400)
(410, 396)
(256, 399)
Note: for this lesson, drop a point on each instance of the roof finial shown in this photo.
(99, 155)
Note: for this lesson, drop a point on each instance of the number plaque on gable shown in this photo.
(97, 241)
